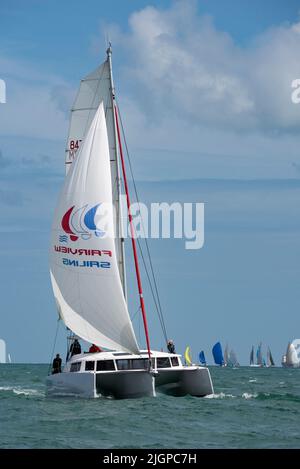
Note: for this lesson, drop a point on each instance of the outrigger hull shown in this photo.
(192, 380)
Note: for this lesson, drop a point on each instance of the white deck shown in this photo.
(115, 356)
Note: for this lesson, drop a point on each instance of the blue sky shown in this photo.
(204, 89)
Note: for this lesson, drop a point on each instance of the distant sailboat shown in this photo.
(270, 360)
(259, 358)
(291, 357)
(187, 356)
(202, 358)
(232, 359)
(226, 355)
(2, 351)
(218, 354)
(252, 356)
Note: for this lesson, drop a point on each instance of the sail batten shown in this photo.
(84, 260)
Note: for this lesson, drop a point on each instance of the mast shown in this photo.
(136, 262)
(119, 224)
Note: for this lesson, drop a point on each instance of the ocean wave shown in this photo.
(221, 395)
(22, 391)
(278, 397)
(248, 395)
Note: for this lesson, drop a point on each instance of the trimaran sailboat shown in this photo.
(87, 263)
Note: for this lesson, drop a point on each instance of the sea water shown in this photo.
(251, 408)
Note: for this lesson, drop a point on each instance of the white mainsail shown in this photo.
(2, 351)
(232, 359)
(84, 264)
(95, 88)
(226, 355)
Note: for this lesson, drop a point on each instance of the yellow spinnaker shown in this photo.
(187, 355)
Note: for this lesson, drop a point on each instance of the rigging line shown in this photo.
(161, 319)
(152, 291)
(132, 318)
(153, 295)
(52, 353)
(160, 313)
(136, 262)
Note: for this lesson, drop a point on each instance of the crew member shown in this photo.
(56, 365)
(75, 348)
(94, 349)
(171, 346)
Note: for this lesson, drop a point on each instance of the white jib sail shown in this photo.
(83, 261)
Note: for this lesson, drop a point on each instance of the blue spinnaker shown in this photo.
(202, 358)
(218, 354)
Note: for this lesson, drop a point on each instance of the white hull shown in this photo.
(192, 380)
(120, 385)
(174, 380)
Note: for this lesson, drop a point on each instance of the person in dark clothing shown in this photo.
(171, 346)
(56, 365)
(75, 348)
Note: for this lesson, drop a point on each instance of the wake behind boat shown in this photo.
(87, 263)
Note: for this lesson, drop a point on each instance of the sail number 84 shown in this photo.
(74, 144)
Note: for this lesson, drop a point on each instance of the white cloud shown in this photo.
(36, 102)
(196, 103)
(181, 64)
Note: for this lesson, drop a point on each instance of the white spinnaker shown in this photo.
(95, 88)
(291, 356)
(89, 297)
